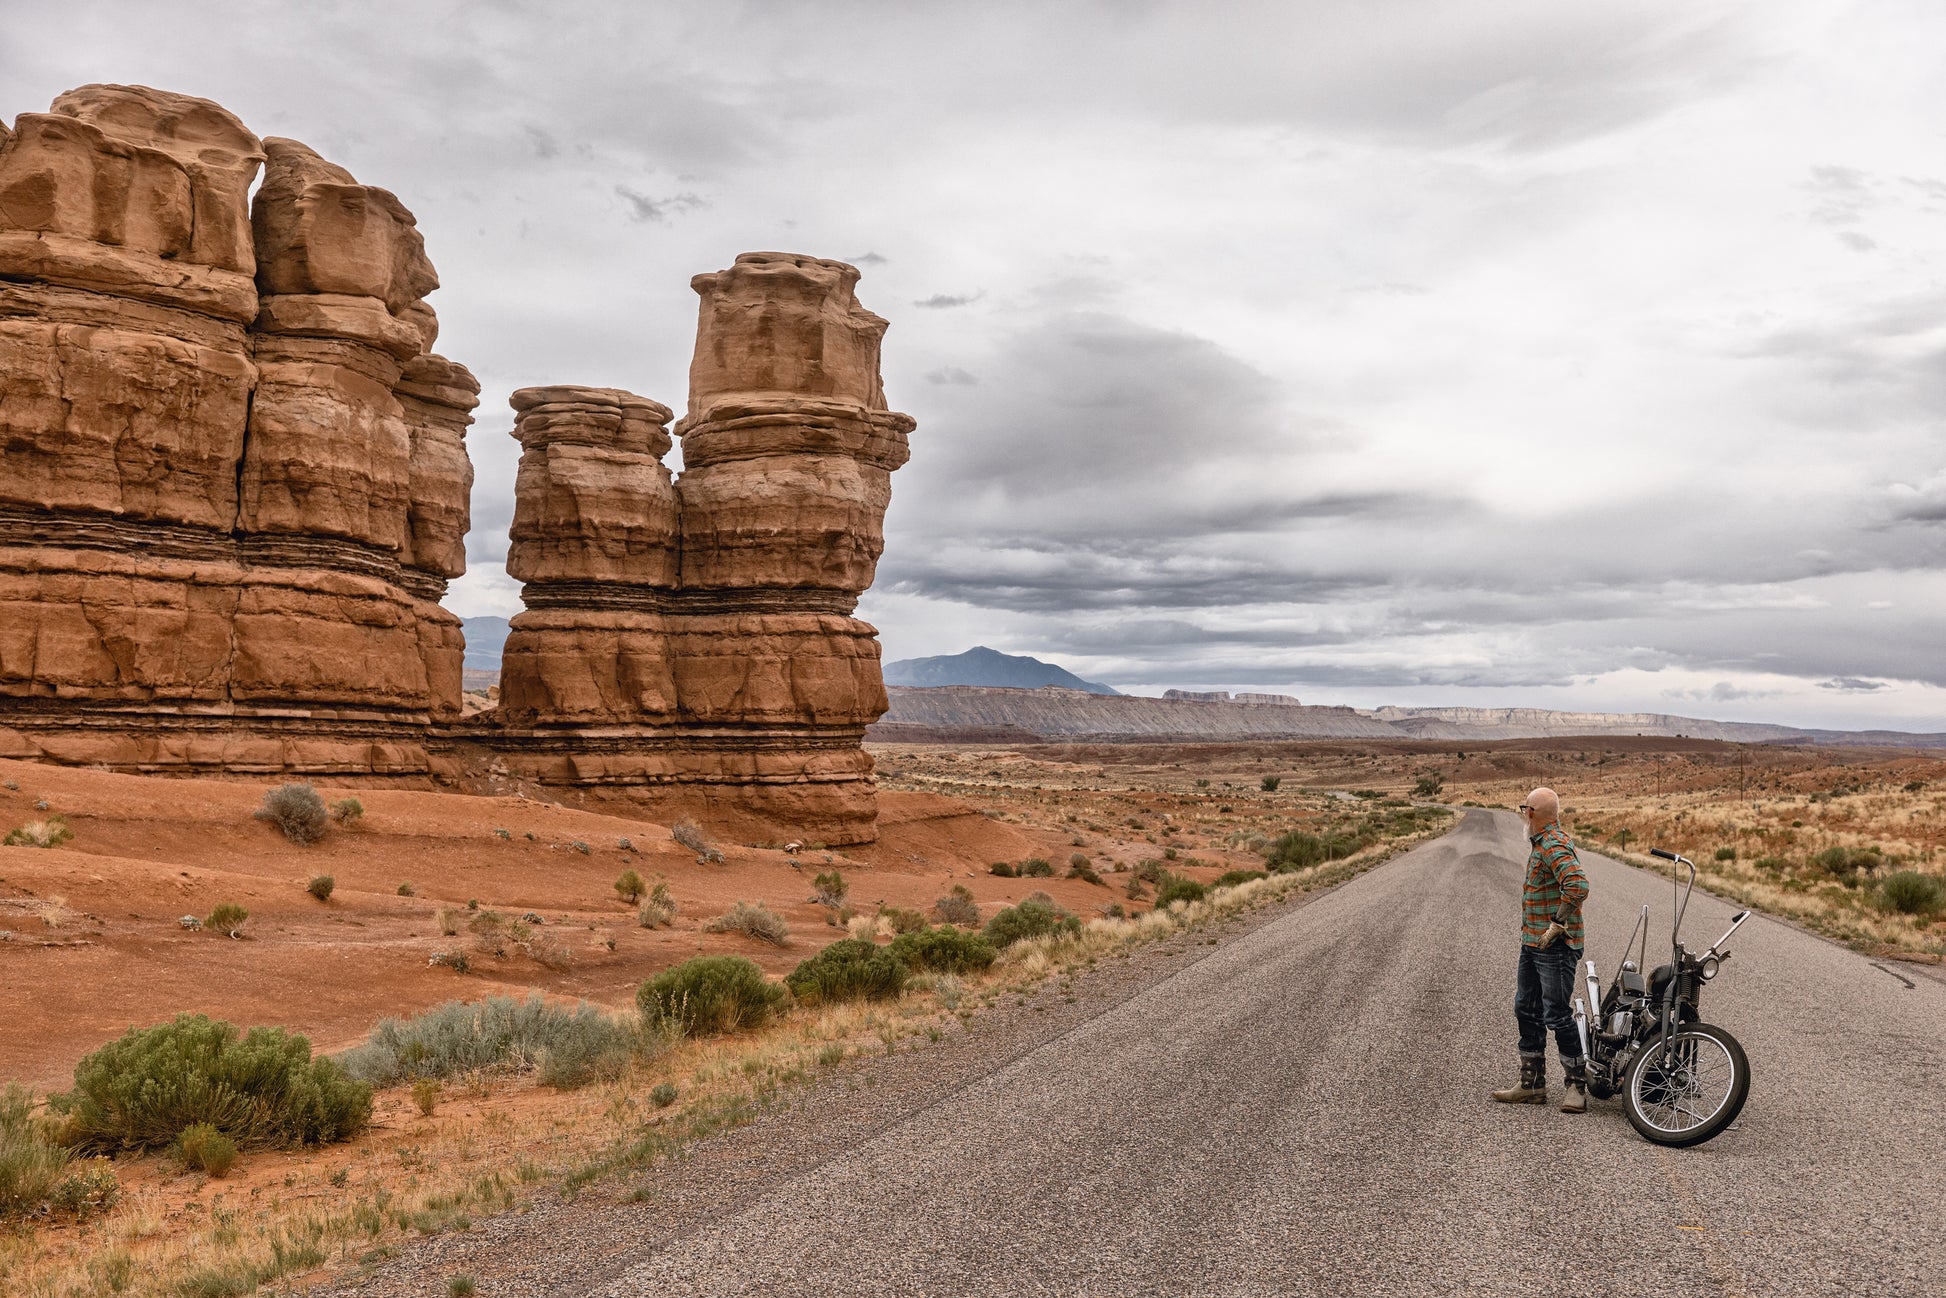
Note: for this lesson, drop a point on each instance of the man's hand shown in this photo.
(1553, 934)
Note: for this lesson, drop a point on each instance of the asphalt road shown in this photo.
(1304, 1112)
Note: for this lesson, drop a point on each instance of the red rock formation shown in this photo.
(695, 646)
(225, 518)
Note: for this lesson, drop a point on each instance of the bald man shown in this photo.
(1550, 951)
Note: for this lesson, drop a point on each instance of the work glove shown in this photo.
(1553, 934)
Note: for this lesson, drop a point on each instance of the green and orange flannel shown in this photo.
(1555, 887)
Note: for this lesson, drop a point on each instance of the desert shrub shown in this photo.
(1726, 854)
(1771, 864)
(958, 907)
(1622, 837)
(297, 810)
(51, 832)
(1135, 891)
(425, 1096)
(1428, 786)
(1176, 888)
(1031, 918)
(1035, 868)
(504, 835)
(629, 887)
(227, 917)
(658, 909)
(1915, 786)
(1231, 878)
(690, 835)
(943, 950)
(461, 1285)
(499, 1033)
(1270, 782)
(1151, 870)
(263, 1088)
(710, 994)
(320, 886)
(1004, 869)
(1840, 862)
(758, 921)
(903, 921)
(1080, 867)
(581, 847)
(202, 1147)
(831, 889)
(1296, 850)
(663, 1095)
(407, 890)
(1911, 893)
(347, 811)
(848, 970)
(454, 960)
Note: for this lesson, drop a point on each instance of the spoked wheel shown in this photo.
(1692, 1091)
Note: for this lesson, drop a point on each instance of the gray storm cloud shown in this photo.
(1518, 352)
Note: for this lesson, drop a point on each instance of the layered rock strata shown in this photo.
(232, 479)
(695, 643)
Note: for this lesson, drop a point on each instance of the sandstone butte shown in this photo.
(234, 485)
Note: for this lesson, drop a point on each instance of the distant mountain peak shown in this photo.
(983, 666)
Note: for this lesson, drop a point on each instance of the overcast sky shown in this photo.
(1379, 351)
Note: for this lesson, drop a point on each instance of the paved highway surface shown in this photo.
(1304, 1111)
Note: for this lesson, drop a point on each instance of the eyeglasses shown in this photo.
(1524, 808)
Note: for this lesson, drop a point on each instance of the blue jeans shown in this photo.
(1544, 999)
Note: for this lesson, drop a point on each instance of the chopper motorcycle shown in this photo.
(1682, 1081)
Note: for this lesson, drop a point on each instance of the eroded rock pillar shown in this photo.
(788, 452)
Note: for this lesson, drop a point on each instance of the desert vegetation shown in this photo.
(703, 1048)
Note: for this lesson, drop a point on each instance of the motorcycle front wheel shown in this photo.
(1690, 1092)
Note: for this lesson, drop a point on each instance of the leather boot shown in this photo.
(1576, 1099)
(1532, 1087)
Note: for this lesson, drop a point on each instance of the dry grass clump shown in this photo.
(51, 832)
(758, 921)
(658, 909)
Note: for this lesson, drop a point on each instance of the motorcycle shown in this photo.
(1681, 1080)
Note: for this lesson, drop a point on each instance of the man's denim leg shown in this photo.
(1528, 1005)
(1544, 999)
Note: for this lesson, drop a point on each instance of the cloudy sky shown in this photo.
(1485, 352)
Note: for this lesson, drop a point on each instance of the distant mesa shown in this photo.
(1224, 696)
(975, 714)
(983, 666)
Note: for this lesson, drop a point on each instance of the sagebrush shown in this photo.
(944, 950)
(298, 811)
(711, 994)
(758, 921)
(568, 1045)
(260, 1089)
(1031, 918)
(848, 970)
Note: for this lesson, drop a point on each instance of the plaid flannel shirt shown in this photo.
(1554, 883)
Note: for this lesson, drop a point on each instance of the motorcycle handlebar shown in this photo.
(1664, 854)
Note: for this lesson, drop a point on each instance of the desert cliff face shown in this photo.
(235, 480)
(236, 484)
(691, 642)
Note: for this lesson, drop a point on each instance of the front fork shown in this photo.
(1581, 1008)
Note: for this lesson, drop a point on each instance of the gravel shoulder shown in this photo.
(1300, 1109)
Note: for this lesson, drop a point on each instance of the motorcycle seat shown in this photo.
(1633, 984)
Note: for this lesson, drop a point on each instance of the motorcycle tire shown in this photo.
(1695, 1095)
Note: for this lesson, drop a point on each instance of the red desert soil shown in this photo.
(90, 942)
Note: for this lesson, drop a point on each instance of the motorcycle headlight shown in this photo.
(1709, 968)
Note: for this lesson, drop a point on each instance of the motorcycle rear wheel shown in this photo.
(1693, 1093)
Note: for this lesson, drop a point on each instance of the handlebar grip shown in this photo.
(1667, 856)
